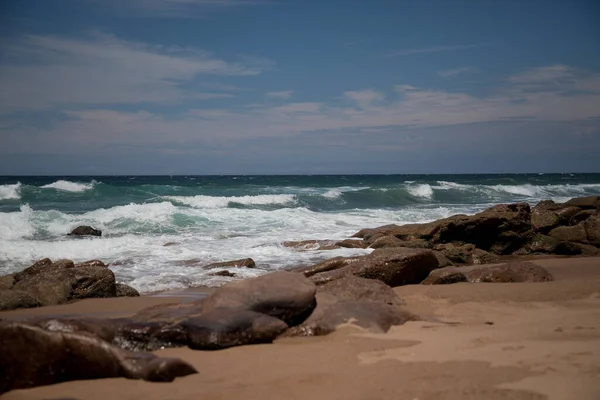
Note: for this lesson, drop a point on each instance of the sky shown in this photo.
(103, 87)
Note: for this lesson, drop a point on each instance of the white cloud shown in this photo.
(41, 71)
(364, 97)
(434, 49)
(408, 107)
(284, 94)
(451, 73)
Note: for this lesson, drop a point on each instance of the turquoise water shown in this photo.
(217, 218)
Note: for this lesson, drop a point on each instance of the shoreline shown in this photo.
(518, 341)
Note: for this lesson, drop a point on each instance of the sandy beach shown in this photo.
(476, 341)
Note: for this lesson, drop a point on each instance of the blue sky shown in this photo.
(298, 86)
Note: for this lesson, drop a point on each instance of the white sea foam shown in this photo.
(422, 190)
(10, 192)
(68, 186)
(223, 201)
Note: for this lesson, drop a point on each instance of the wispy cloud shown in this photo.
(434, 49)
(451, 73)
(41, 71)
(282, 95)
(174, 8)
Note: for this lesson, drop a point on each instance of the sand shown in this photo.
(478, 341)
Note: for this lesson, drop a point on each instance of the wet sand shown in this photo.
(494, 341)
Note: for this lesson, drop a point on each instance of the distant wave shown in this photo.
(422, 190)
(69, 186)
(10, 192)
(202, 201)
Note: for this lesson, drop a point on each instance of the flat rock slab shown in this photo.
(505, 273)
(32, 356)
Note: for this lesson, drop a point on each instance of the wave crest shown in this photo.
(68, 186)
(202, 201)
(10, 192)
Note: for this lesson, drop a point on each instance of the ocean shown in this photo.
(158, 231)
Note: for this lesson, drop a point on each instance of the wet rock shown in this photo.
(351, 244)
(285, 295)
(59, 282)
(509, 272)
(85, 231)
(393, 266)
(223, 273)
(91, 263)
(32, 356)
(223, 328)
(369, 232)
(243, 263)
(327, 265)
(126, 291)
(305, 245)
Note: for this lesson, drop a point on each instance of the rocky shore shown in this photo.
(309, 300)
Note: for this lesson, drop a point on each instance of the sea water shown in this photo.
(159, 231)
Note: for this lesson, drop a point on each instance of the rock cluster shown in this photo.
(48, 283)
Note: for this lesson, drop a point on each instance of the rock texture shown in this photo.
(85, 231)
(504, 273)
(126, 291)
(364, 302)
(243, 263)
(32, 356)
(392, 266)
(48, 283)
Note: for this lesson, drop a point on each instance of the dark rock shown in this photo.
(380, 242)
(85, 231)
(304, 245)
(245, 262)
(351, 244)
(573, 249)
(466, 254)
(575, 233)
(7, 281)
(223, 273)
(13, 299)
(327, 265)
(126, 291)
(223, 328)
(368, 232)
(585, 202)
(91, 263)
(59, 283)
(393, 266)
(375, 317)
(592, 229)
(365, 302)
(354, 288)
(443, 261)
(582, 216)
(543, 244)
(510, 272)
(33, 357)
(285, 295)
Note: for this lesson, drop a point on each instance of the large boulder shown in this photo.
(547, 215)
(509, 272)
(85, 231)
(367, 303)
(32, 356)
(223, 328)
(393, 266)
(575, 233)
(501, 229)
(57, 283)
(285, 295)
